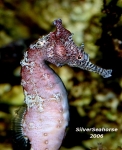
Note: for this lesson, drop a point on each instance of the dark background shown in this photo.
(94, 101)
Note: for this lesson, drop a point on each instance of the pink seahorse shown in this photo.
(44, 120)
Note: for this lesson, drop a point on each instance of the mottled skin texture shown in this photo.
(47, 108)
(47, 115)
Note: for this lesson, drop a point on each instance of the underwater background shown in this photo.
(93, 101)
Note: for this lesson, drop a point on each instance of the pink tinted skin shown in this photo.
(47, 108)
(47, 114)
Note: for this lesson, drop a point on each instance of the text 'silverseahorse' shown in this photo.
(44, 119)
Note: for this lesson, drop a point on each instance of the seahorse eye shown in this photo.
(79, 57)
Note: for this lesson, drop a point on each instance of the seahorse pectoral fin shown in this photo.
(20, 141)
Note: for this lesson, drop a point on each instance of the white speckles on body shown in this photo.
(50, 52)
(25, 62)
(45, 96)
(42, 42)
(30, 67)
(46, 76)
(31, 125)
(56, 96)
(23, 83)
(32, 100)
(50, 86)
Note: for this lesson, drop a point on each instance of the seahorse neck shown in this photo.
(38, 79)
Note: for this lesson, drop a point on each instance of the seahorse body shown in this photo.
(47, 115)
(46, 98)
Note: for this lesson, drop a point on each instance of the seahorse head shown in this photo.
(60, 49)
(64, 49)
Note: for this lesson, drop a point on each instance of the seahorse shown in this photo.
(45, 117)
